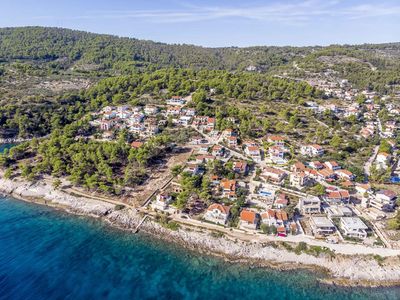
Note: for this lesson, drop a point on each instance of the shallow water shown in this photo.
(48, 254)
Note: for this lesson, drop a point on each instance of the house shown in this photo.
(298, 167)
(232, 141)
(384, 200)
(136, 144)
(137, 128)
(310, 205)
(253, 152)
(184, 120)
(277, 140)
(338, 196)
(151, 110)
(299, 179)
(162, 201)
(345, 174)
(240, 167)
(332, 165)
(193, 169)
(383, 160)
(217, 213)
(276, 153)
(325, 175)
(228, 188)
(281, 201)
(227, 133)
(363, 188)
(322, 226)
(109, 115)
(269, 217)
(190, 112)
(316, 165)
(353, 227)
(336, 211)
(312, 150)
(249, 219)
(218, 150)
(176, 100)
(173, 111)
(281, 217)
(273, 174)
(204, 158)
(106, 125)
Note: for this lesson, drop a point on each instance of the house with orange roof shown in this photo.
(249, 219)
(218, 150)
(254, 152)
(136, 144)
(325, 174)
(268, 217)
(299, 179)
(332, 165)
(345, 174)
(217, 213)
(240, 167)
(298, 167)
(273, 174)
(281, 201)
(228, 188)
(277, 140)
(338, 196)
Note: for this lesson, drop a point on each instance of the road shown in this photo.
(369, 162)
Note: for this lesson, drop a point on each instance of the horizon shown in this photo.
(306, 23)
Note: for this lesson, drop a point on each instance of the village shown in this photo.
(270, 185)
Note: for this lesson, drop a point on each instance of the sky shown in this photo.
(218, 23)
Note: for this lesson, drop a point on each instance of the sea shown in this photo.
(46, 253)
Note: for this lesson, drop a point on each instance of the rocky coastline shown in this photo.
(341, 269)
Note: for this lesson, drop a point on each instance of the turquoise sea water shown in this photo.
(48, 254)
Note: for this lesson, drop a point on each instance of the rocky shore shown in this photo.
(343, 269)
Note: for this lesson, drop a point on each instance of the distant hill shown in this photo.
(42, 43)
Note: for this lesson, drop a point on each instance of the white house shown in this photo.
(162, 201)
(322, 226)
(312, 150)
(310, 205)
(217, 213)
(353, 227)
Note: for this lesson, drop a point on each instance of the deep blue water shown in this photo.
(48, 254)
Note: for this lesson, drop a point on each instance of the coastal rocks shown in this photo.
(345, 269)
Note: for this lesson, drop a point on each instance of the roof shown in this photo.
(274, 171)
(136, 144)
(281, 215)
(270, 213)
(299, 165)
(353, 222)
(276, 138)
(322, 222)
(228, 184)
(248, 215)
(222, 208)
(387, 193)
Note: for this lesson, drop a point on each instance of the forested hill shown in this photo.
(43, 43)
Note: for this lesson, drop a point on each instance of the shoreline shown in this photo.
(342, 270)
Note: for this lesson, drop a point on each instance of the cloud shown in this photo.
(289, 13)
